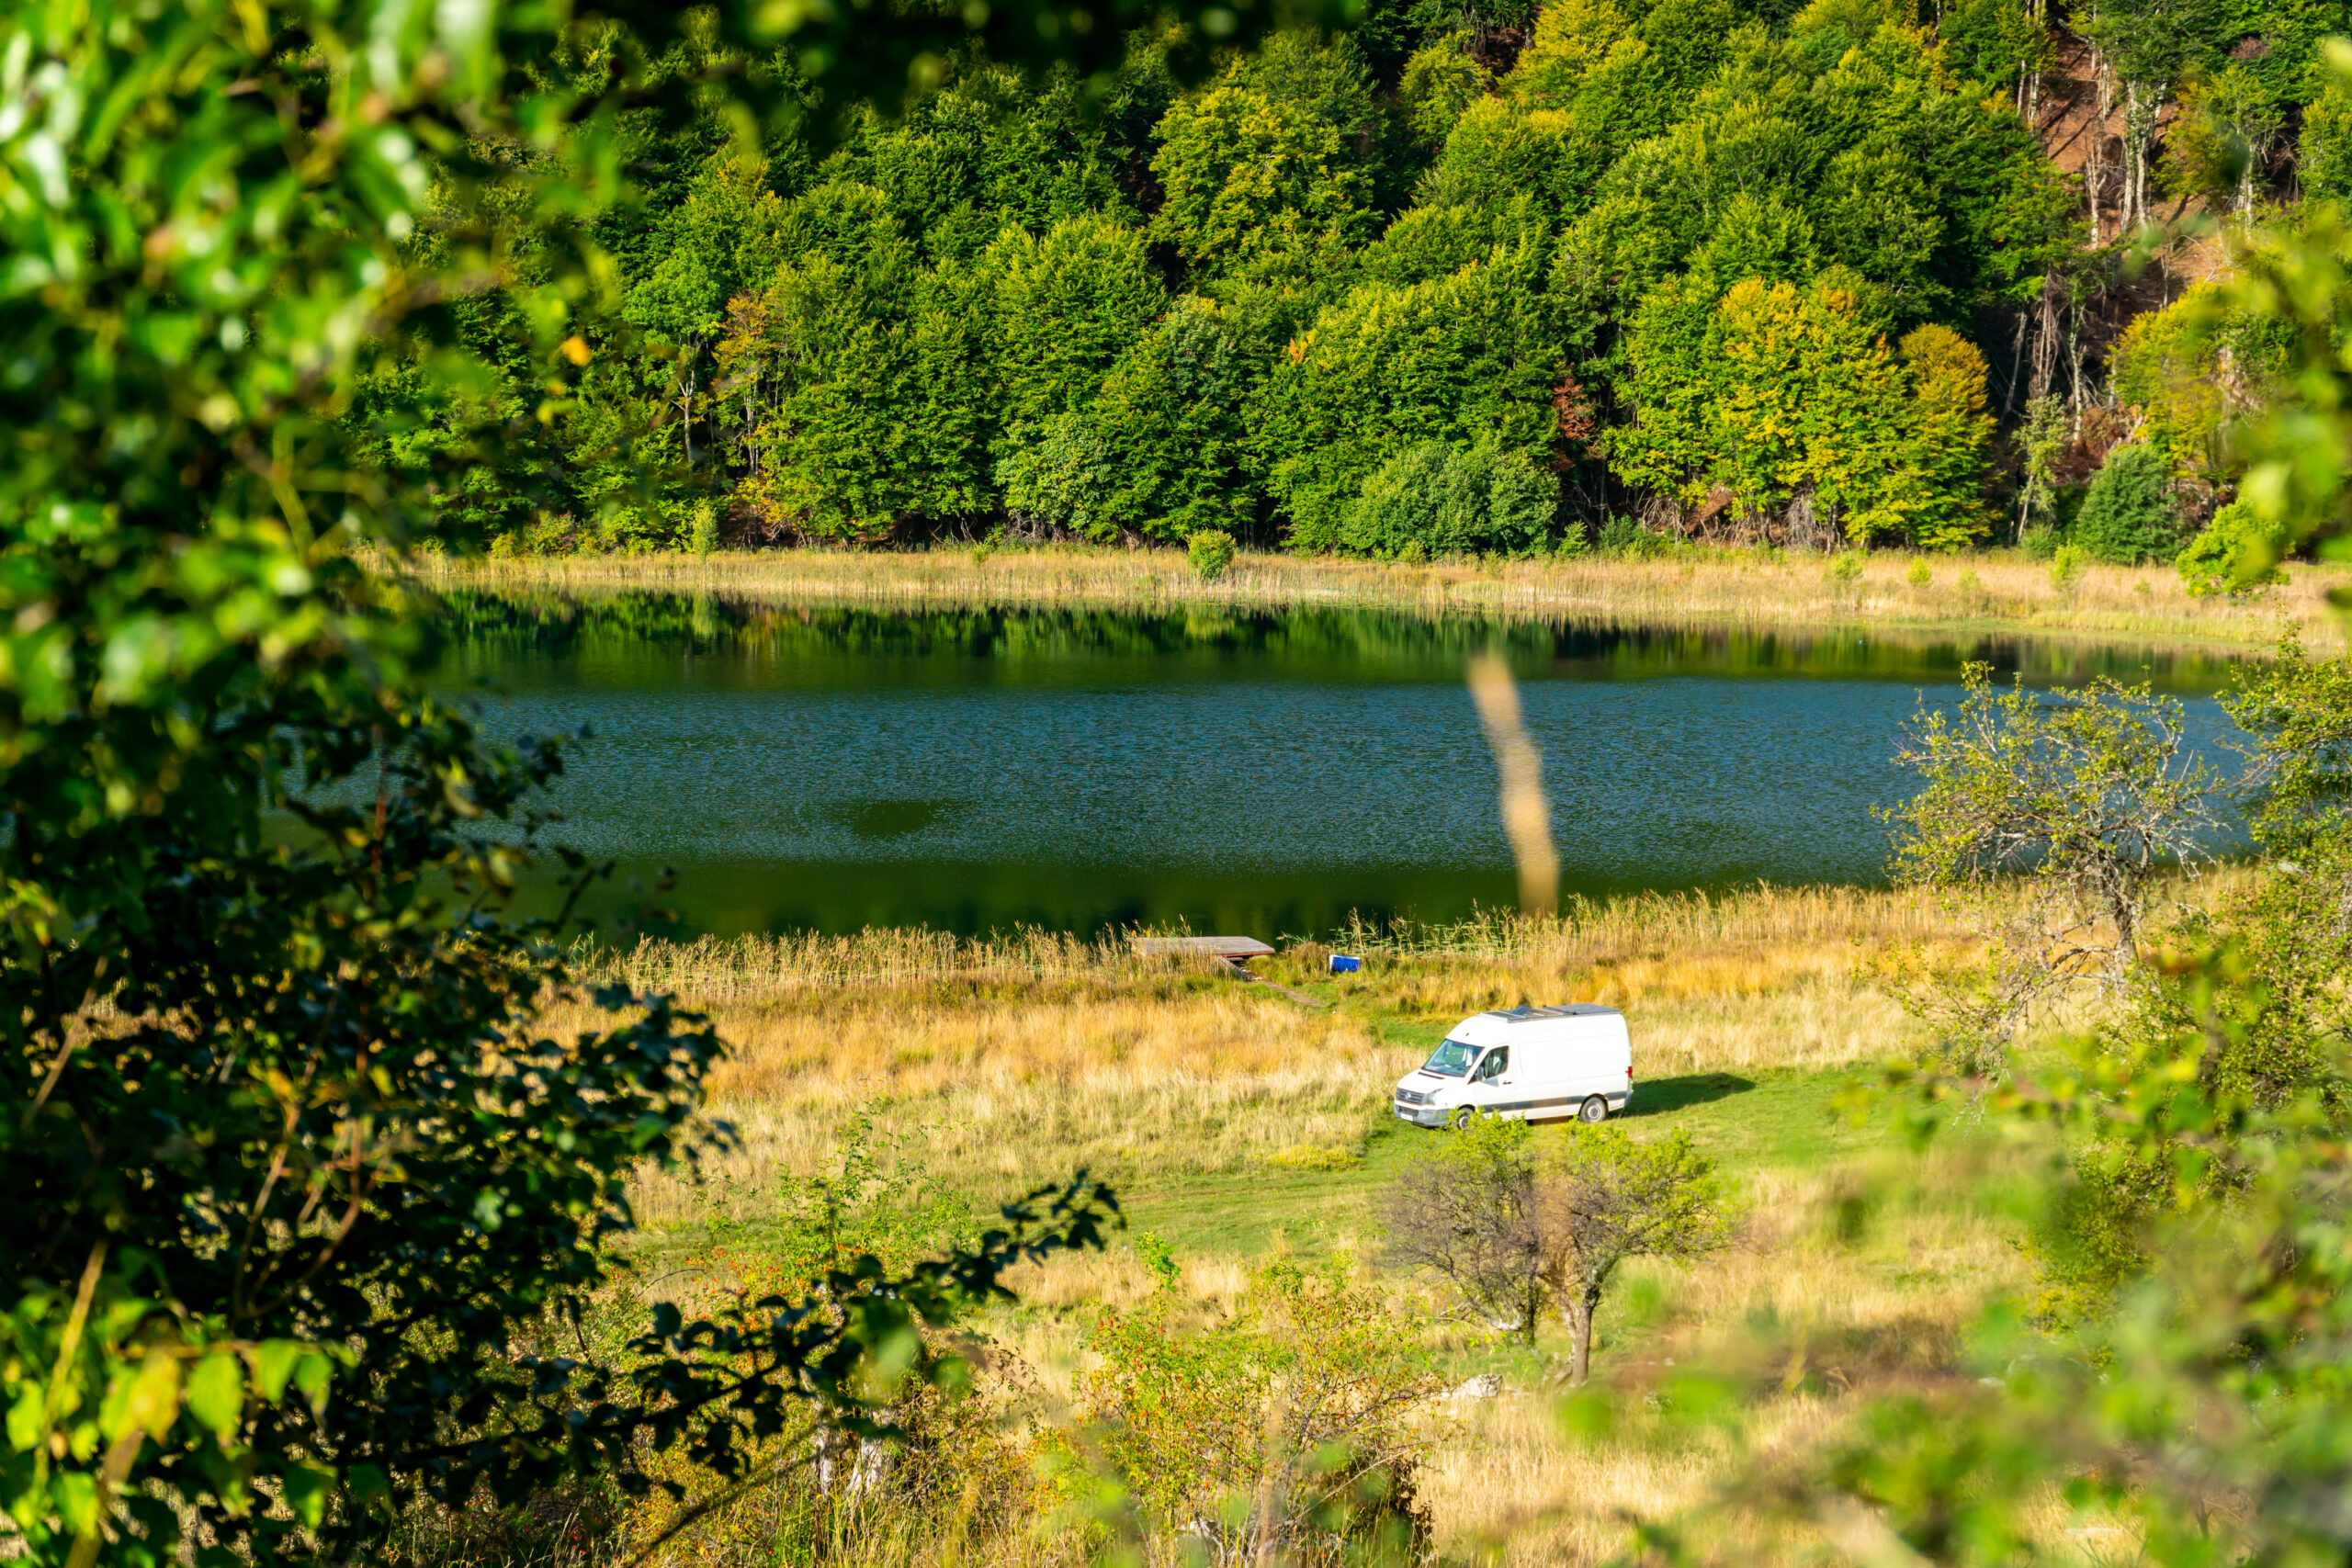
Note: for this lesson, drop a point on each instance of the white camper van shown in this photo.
(1530, 1063)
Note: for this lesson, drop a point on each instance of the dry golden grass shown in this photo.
(1015, 1060)
(1023, 1090)
(1018, 1058)
(2000, 592)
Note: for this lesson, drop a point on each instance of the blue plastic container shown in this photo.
(1343, 965)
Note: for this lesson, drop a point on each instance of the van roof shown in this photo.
(1524, 1012)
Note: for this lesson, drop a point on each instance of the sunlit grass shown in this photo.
(1860, 1266)
(1998, 591)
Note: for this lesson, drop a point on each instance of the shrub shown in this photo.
(1626, 536)
(1287, 1425)
(1451, 501)
(2126, 516)
(2236, 552)
(702, 528)
(1211, 552)
(2066, 568)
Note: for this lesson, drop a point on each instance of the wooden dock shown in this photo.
(1227, 952)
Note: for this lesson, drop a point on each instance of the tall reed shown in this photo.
(1996, 593)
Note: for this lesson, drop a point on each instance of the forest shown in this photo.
(1504, 278)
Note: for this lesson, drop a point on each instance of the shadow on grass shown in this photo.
(1653, 1096)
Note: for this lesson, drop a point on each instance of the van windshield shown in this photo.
(1452, 1059)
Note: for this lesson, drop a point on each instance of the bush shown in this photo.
(1288, 1425)
(1452, 502)
(2126, 516)
(702, 528)
(2236, 552)
(1627, 538)
(1210, 551)
(2066, 568)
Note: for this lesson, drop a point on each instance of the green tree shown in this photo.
(990, 149)
(2128, 514)
(1499, 149)
(1475, 352)
(2040, 437)
(720, 240)
(1287, 1426)
(1067, 304)
(861, 394)
(2228, 125)
(1952, 432)
(2087, 795)
(1437, 83)
(2324, 154)
(2002, 44)
(1058, 476)
(1610, 1198)
(1467, 1212)
(1210, 553)
(1253, 175)
(2236, 553)
(1172, 414)
(1787, 404)
(1434, 499)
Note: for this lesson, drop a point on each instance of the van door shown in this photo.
(1539, 1085)
(1488, 1088)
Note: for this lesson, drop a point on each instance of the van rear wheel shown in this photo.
(1595, 1110)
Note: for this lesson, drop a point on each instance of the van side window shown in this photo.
(1496, 1063)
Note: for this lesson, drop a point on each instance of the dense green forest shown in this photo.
(1507, 278)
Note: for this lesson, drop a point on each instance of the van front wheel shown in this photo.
(1462, 1119)
(1595, 1110)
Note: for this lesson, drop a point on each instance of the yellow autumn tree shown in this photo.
(1786, 398)
(1951, 430)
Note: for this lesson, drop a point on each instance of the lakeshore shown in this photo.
(2001, 593)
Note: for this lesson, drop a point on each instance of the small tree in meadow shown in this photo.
(1510, 1234)
(2236, 553)
(2051, 813)
(1282, 1432)
(1467, 1213)
(1613, 1198)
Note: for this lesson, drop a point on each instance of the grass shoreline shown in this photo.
(1003, 1061)
(1997, 594)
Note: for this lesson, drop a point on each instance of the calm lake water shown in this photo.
(1264, 773)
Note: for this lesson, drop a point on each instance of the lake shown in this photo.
(828, 767)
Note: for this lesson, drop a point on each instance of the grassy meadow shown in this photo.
(1999, 590)
(1240, 1127)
